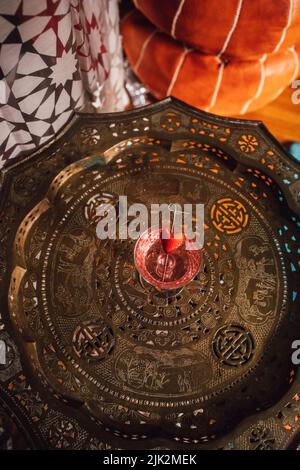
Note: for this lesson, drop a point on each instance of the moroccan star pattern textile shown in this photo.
(56, 56)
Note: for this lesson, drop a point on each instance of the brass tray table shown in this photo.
(96, 359)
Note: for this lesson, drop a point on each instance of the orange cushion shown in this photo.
(243, 28)
(216, 84)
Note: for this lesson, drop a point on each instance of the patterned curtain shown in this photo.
(56, 56)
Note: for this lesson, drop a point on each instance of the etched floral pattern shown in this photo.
(248, 143)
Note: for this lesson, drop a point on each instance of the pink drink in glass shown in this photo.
(163, 270)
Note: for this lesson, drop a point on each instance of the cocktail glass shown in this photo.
(165, 270)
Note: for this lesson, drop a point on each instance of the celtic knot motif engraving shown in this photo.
(229, 216)
(95, 202)
(233, 345)
(93, 341)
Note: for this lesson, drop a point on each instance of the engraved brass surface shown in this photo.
(110, 361)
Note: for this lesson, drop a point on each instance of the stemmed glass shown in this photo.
(164, 261)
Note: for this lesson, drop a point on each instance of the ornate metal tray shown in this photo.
(106, 362)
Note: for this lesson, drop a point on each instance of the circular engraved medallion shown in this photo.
(233, 345)
(229, 216)
(93, 341)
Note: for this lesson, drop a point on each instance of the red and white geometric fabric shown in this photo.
(55, 57)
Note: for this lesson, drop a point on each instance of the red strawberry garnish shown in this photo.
(169, 242)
